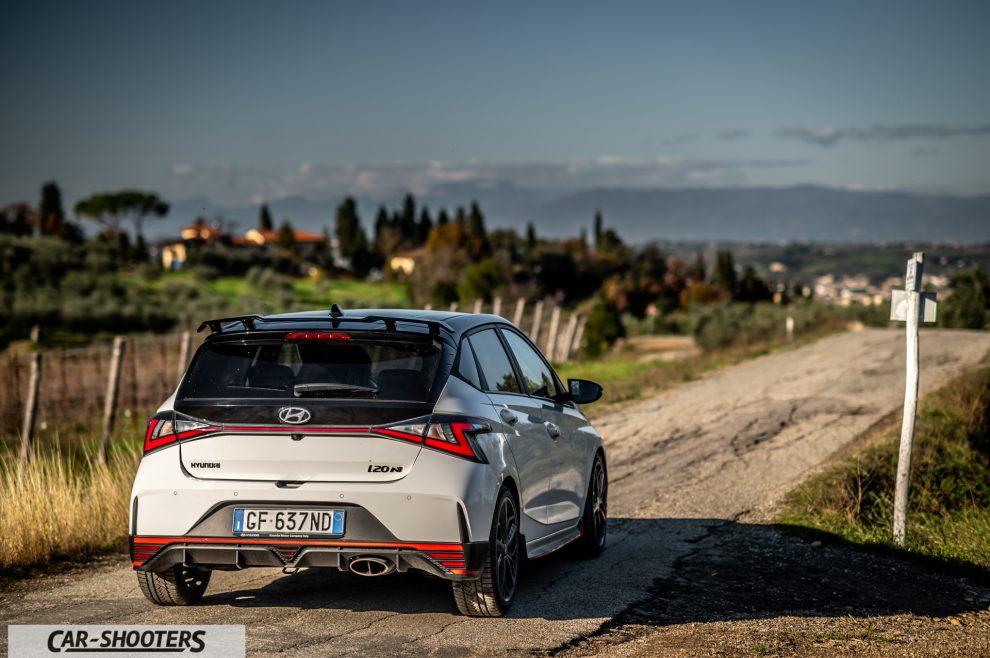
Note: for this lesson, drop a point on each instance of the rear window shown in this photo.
(363, 369)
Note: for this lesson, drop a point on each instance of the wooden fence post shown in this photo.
(477, 306)
(30, 411)
(554, 328)
(427, 306)
(564, 352)
(497, 306)
(110, 403)
(520, 309)
(185, 345)
(534, 334)
(576, 346)
(453, 307)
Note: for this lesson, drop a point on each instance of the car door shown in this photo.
(528, 440)
(566, 491)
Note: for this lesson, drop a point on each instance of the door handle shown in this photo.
(553, 430)
(508, 416)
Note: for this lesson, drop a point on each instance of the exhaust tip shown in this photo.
(370, 565)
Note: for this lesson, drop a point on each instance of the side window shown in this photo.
(466, 366)
(495, 365)
(536, 374)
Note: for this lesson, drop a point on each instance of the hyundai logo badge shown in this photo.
(294, 415)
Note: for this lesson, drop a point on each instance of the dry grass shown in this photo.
(62, 506)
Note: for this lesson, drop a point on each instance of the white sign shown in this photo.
(899, 306)
(108, 641)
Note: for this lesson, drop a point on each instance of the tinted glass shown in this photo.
(536, 375)
(467, 368)
(382, 370)
(495, 365)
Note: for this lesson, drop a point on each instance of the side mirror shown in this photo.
(584, 391)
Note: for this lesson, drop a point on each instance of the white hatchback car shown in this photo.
(371, 442)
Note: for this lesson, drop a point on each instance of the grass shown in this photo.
(63, 506)
(949, 501)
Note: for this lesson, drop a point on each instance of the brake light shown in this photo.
(452, 435)
(169, 428)
(317, 335)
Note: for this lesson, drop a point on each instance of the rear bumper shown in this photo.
(450, 561)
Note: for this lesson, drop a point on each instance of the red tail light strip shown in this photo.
(295, 542)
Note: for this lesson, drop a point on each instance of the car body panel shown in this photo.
(179, 498)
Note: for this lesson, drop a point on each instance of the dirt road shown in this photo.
(695, 474)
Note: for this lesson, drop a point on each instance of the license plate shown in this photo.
(289, 522)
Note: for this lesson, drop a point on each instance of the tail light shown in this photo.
(170, 427)
(317, 335)
(451, 434)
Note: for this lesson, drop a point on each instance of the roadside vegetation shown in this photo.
(63, 506)
(949, 503)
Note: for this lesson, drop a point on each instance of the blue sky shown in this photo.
(241, 101)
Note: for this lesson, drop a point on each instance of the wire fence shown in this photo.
(72, 383)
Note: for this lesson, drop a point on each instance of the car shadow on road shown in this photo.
(666, 571)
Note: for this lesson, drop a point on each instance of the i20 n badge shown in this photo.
(294, 415)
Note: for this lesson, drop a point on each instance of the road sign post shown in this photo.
(910, 306)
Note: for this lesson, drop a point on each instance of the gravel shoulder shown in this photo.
(693, 566)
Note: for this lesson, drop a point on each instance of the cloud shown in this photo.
(238, 184)
(830, 135)
(686, 138)
(732, 133)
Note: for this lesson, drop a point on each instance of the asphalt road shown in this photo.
(713, 451)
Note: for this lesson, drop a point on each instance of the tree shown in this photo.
(351, 239)
(443, 218)
(51, 215)
(107, 210)
(140, 205)
(265, 222)
(407, 220)
(603, 328)
(598, 229)
(752, 288)
(968, 307)
(286, 237)
(476, 222)
(530, 236)
(425, 225)
(725, 272)
(480, 281)
(700, 268)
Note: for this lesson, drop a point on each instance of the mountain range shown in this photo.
(731, 214)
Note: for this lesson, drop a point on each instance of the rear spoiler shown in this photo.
(217, 325)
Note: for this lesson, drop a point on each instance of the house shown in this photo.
(405, 262)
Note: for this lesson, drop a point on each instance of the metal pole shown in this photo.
(913, 288)
(30, 411)
(110, 402)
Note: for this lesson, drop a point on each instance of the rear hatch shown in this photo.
(307, 406)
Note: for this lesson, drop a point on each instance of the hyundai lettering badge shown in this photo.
(294, 415)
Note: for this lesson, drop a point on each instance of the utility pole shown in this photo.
(911, 306)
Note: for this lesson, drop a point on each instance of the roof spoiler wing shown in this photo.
(216, 326)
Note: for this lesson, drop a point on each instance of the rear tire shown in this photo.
(177, 586)
(492, 594)
(594, 523)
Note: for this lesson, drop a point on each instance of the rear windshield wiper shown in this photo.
(332, 390)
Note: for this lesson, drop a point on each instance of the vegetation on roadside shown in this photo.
(64, 505)
(949, 502)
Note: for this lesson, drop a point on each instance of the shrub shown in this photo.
(603, 328)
